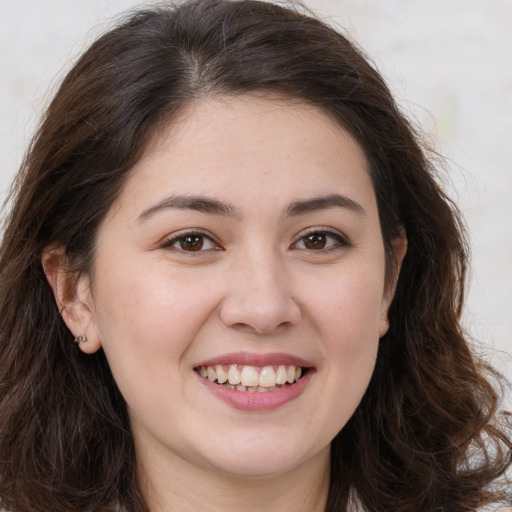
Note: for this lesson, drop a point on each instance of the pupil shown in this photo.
(315, 241)
(192, 243)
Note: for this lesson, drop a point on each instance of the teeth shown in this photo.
(234, 375)
(249, 376)
(222, 376)
(267, 377)
(249, 380)
(211, 373)
(281, 375)
(290, 374)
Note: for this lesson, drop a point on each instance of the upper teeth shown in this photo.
(251, 376)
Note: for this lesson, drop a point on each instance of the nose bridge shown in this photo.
(260, 295)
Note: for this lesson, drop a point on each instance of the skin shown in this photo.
(258, 285)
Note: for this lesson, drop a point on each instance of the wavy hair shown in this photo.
(426, 435)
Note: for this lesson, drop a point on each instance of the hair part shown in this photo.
(425, 433)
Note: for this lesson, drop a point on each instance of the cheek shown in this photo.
(147, 328)
(347, 319)
(146, 295)
(349, 307)
(145, 319)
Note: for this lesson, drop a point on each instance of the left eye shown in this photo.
(191, 242)
(320, 240)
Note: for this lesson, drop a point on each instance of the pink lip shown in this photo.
(246, 358)
(246, 401)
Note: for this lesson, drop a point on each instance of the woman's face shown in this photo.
(245, 245)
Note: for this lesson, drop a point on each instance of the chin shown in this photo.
(251, 457)
(258, 468)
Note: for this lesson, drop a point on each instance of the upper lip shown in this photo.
(251, 359)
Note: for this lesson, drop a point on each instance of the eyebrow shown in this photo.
(323, 203)
(198, 203)
(214, 207)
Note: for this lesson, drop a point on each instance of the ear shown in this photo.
(73, 297)
(399, 251)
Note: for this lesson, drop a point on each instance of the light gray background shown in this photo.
(448, 62)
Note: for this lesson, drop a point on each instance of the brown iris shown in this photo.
(315, 241)
(192, 243)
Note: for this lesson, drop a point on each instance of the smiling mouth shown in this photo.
(253, 379)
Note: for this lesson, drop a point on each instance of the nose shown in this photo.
(259, 297)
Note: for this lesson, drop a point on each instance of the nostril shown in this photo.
(258, 297)
(241, 327)
(260, 315)
(248, 328)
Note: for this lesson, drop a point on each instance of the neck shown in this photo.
(178, 485)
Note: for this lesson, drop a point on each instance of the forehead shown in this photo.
(249, 147)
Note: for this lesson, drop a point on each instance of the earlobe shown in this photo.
(384, 324)
(73, 298)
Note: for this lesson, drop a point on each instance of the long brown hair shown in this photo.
(426, 434)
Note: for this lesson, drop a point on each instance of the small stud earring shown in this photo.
(80, 339)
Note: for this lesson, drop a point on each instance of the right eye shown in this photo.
(191, 242)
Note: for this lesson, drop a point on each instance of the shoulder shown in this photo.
(492, 507)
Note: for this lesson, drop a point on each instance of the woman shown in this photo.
(226, 212)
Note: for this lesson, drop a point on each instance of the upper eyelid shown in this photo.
(173, 237)
(321, 229)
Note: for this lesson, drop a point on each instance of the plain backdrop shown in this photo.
(448, 63)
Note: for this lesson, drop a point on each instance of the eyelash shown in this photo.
(181, 237)
(339, 241)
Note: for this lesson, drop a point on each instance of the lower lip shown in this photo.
(265, 401)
